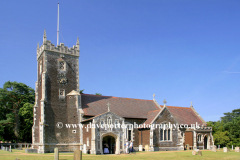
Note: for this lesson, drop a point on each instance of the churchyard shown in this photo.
(181, 155)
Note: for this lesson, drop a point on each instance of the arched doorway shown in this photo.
(111, 142)
(114, 140)
(205, 142)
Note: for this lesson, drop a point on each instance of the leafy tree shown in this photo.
(99, 94)
(13, 96)
(216, 126)
(221, 138)
(227, 131)
(234, 131)
(230, 116)
(26, 119)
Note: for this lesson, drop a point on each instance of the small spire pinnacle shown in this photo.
(44, 36)
(154, 96)
(108, 104)
(191, 105)
(164, 101)
(77, 44)
(37, 48)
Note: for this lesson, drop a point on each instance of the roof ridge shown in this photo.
(159, 112)
(179, 107)
(174, 117)
(95, 95)
(198, 115)
(116, 97)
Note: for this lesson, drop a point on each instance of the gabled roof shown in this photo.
(73, 93)
(185, 115)
(93, 105)
(152, 115)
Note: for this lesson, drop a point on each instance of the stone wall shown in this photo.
(87, 136)
(136, 141)
(164, 118)
(56, 109)
(37, 107)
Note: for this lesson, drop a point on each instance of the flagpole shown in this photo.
(58, 26)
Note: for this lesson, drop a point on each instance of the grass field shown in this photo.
(182, 155)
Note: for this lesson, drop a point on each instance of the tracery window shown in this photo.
(165, 133)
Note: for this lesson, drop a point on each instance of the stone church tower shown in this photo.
(57, 98)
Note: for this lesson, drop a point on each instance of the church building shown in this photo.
(70, 120)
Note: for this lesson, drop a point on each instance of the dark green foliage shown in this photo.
(233, 129)
(81, 91)
(230, 116)
(13, 96)
(26, 119)
(227, 131)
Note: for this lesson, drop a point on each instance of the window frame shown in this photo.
(165, 133)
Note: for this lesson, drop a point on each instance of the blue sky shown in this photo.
(181, 50)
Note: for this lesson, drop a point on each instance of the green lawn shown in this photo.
(182, 155)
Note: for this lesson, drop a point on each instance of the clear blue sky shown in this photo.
(181, 50)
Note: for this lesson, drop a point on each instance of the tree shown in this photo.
(221, 138)
(81, 91)
(227, 131)
(230, 116)
(234, 131)
(26, 119)
(99, 94)
(13, 96)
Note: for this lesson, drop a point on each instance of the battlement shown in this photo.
(48, 46)
(205, 128)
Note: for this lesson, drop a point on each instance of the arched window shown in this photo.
(40, 67)
(199, 138)
(129, 132)
(165, 133)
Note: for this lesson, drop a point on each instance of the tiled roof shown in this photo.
(151, 116)
(185, 115)
(89, 119)
(125, 107)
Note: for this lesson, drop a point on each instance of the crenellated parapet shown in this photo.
(48, 46)
(204, 128)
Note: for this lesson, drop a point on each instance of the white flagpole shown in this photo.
(58, 27)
